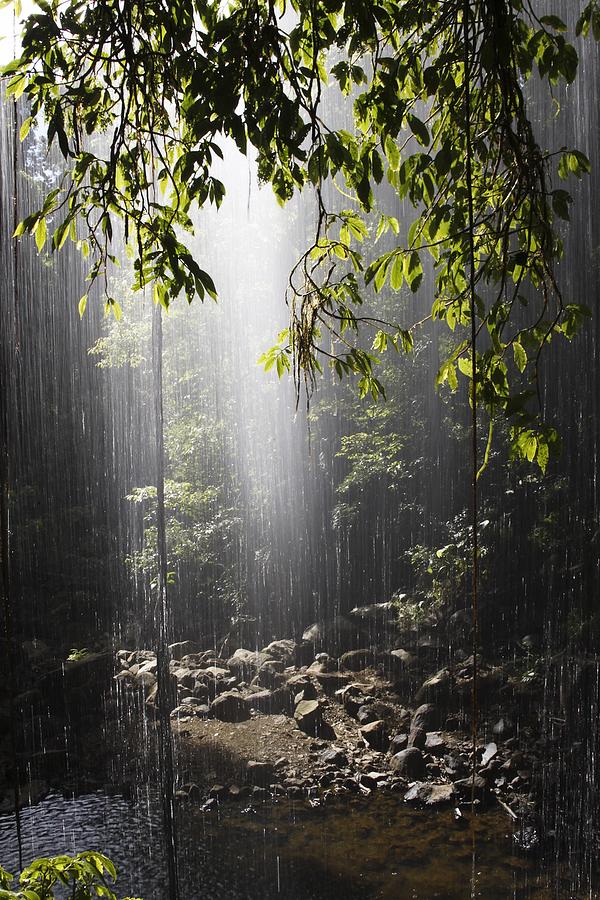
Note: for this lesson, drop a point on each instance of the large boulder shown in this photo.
(417, 738)
(436, 689)
(427, 716)
(336, 634)
(375, 735)
(260, 773)
(285, 650)
(270, 702)
(270, 674)
(408, 763)
(230, 707)
(183, 648)
(380, 613)
(357, 660)
(246, 663)
(308, 715)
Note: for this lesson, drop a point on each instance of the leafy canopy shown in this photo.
(162, 82)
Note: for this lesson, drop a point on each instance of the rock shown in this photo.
(375, 735)
(146, 680)
(334, 756)
(308, 715)
(270, 702)
(185, 677)
(436, 688)
(270, 674)
(219, 792)
(435, 744)
(149, 666)
(503, 728)
(352, 698)
(398, 742)
(338, 633)
(191, 791)
(184, 711)
(427, 716)
(200, 690)
(417, 738)
(182, 648)
(230, 707)
(488, 754)
(152, 696)
(246, 663)
(366, 714)
(395, 666)
(308, 692)
(331, 681)
(375, 612)
(323, 662)
(428, 794)
(196, 660)
(284, 650)
(454, 766)
(374, 710)
(409, 763)
(373, 780)
(139, 656)
(260, 773)
(407, 659)
(357, 660)
(305, 653)
(464, 787)
(216, 672)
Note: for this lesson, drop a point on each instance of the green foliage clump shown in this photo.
(439, 121)
(86, 875)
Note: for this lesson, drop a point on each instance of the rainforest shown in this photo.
(299, 435)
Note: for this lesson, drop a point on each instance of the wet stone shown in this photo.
(183, 648)
(426, 794)
(230, 707)
(334, 756)
(398, 742)
(417, 738)
(409, 763)
(357, 660)
(437, 687)
(219, 791)
(435, 743)
(375, 735)
(427, 716)
(308, 715)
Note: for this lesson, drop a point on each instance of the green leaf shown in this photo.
(392, 153)
(419, 129)
(25, 127)
(40, 234)
(397, 273)
(520, 356)
(82, 305)
(542, 456)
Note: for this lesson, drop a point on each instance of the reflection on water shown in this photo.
(359, 850)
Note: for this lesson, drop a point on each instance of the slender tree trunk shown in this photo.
(165, 740)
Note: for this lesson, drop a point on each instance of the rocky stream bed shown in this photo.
(286, 721)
